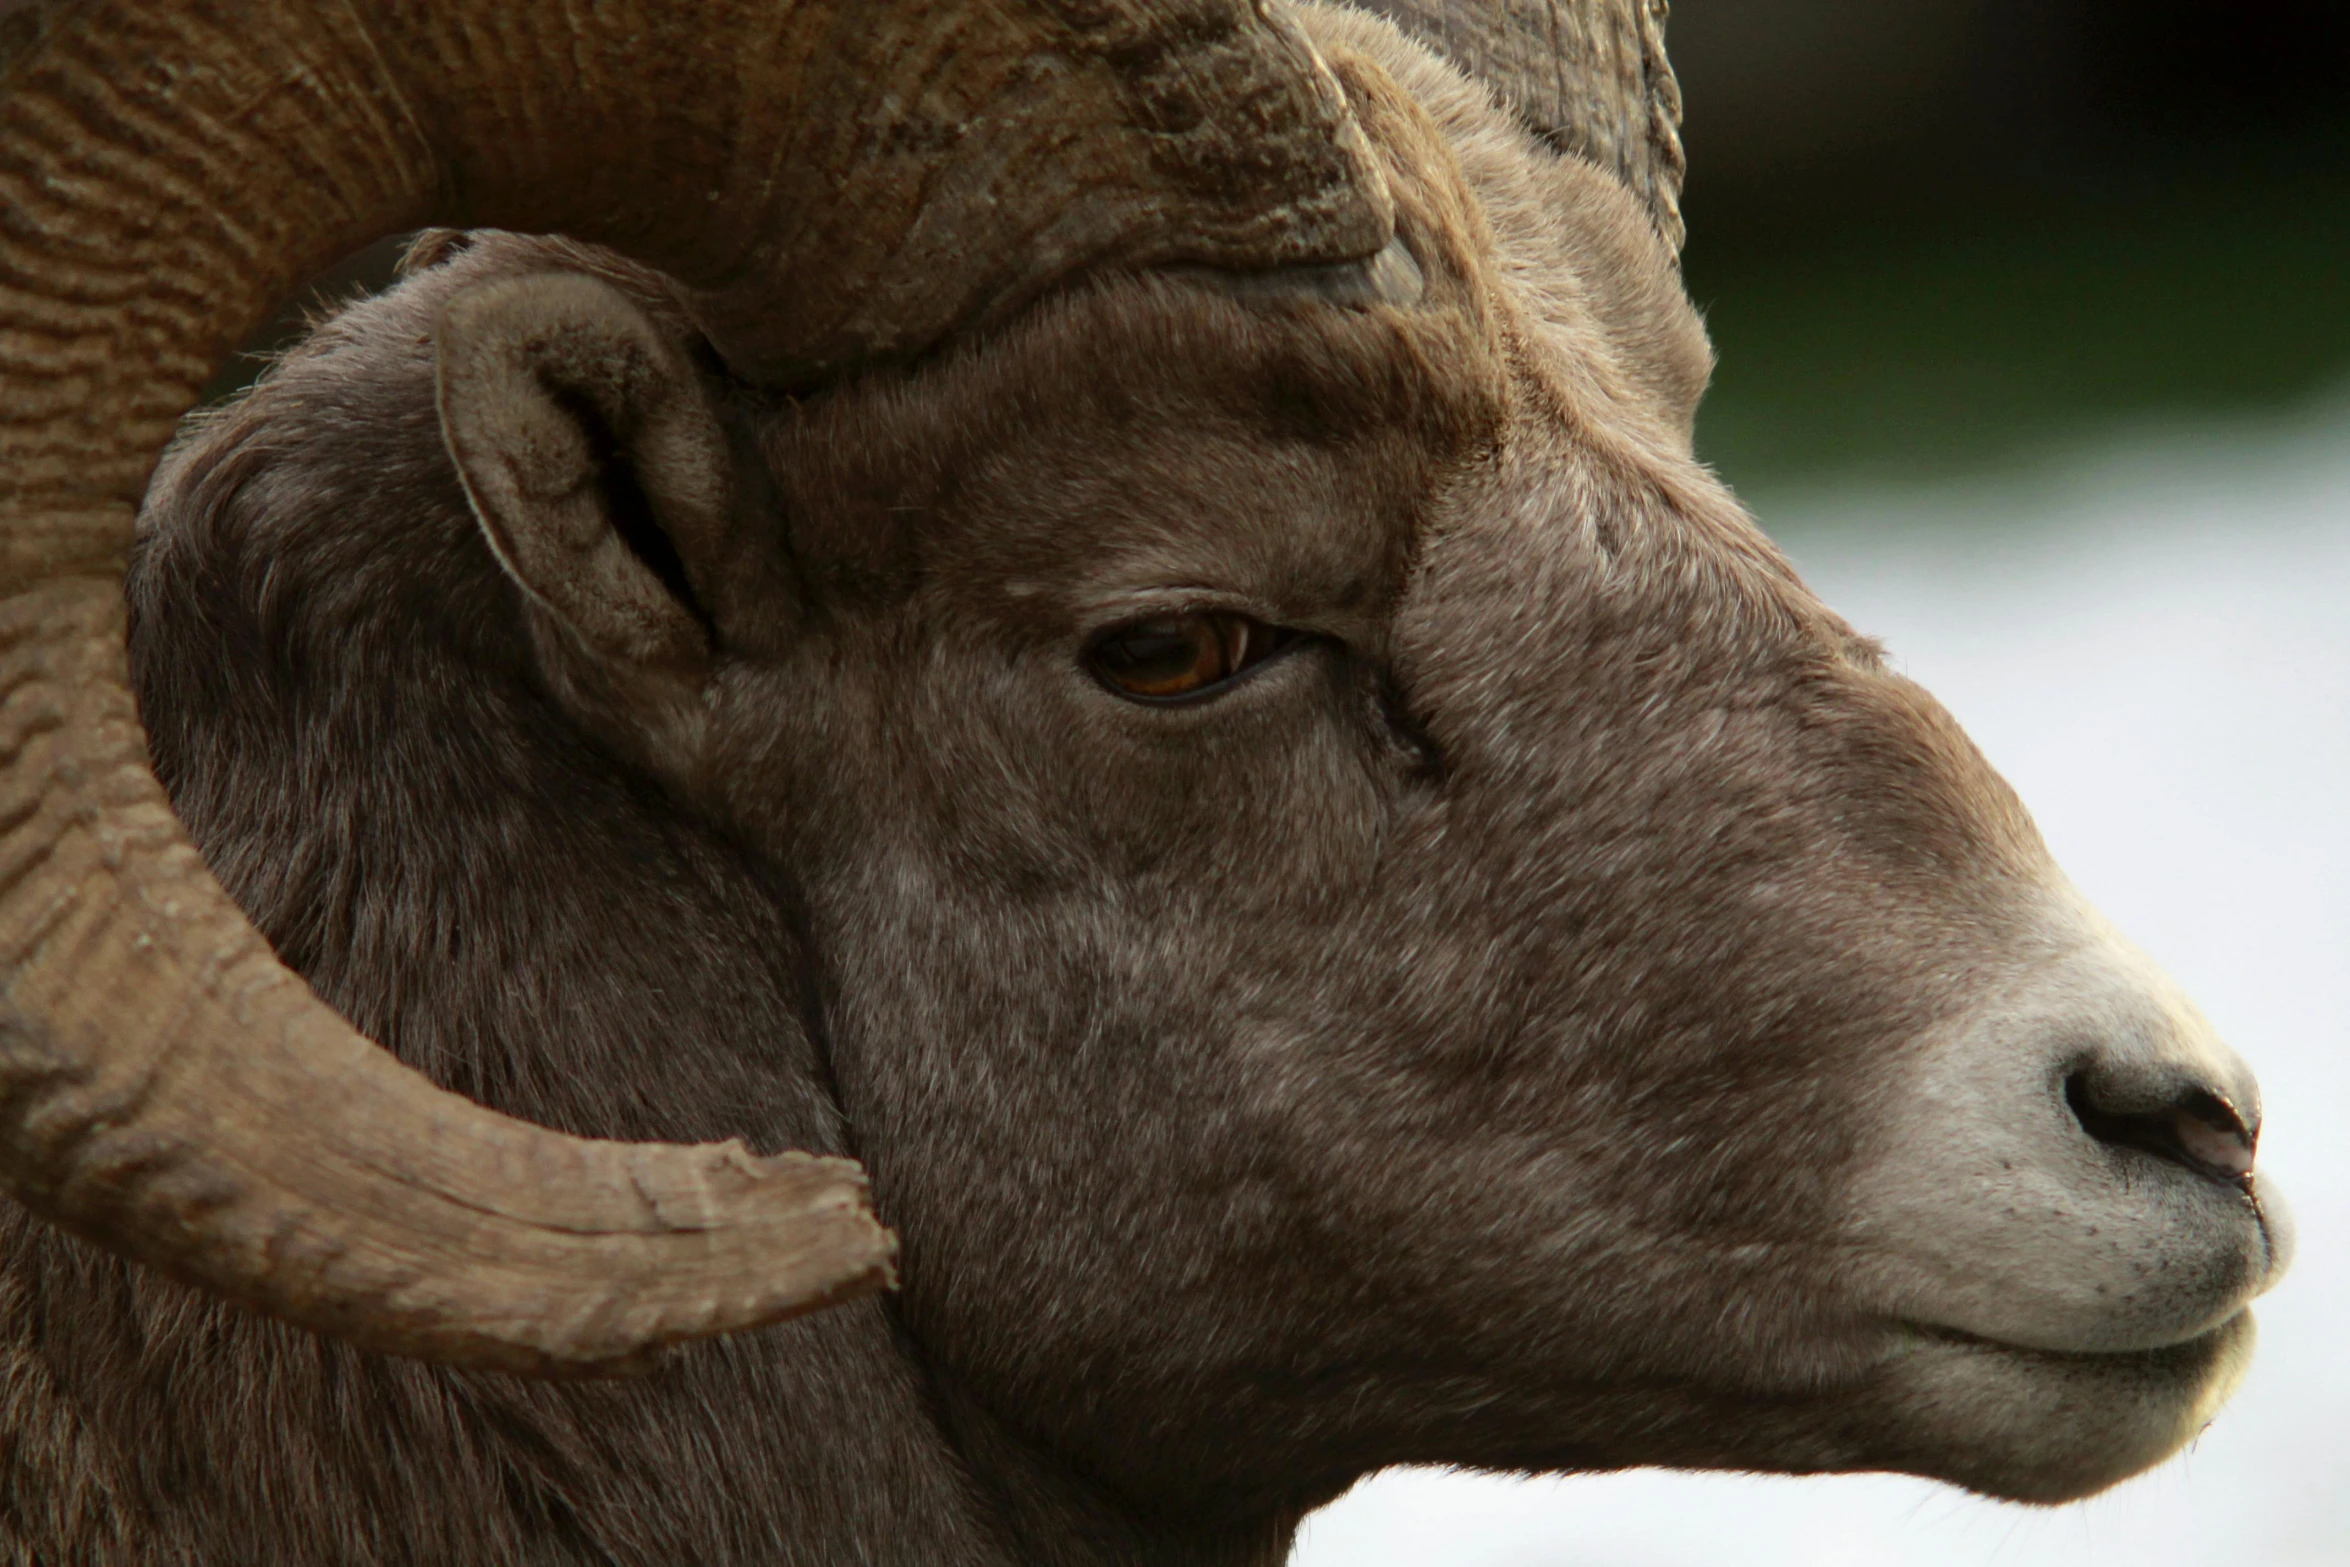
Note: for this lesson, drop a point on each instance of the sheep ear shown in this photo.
(593, 458)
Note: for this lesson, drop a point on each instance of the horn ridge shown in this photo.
(1589, 76)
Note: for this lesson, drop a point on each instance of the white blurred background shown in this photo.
(2149, 634)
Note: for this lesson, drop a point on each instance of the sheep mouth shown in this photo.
(2047, 1425)
(2199, 1343)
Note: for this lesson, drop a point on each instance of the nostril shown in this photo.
(2198, 1130)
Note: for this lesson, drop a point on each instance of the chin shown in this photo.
(2044, 1426)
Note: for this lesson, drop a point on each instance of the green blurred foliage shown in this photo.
(1949, 344)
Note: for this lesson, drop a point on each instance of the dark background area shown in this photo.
(1934, 235)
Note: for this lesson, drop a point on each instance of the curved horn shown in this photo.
(845, 180)
(1589, 75)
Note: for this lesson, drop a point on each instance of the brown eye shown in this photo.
(1175, 656)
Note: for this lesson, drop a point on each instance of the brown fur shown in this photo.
(1447, 1046)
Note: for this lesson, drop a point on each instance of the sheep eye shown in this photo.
(1171, 657)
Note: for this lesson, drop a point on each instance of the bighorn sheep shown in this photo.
(1113, 616)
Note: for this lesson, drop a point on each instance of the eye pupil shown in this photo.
(1174, 656)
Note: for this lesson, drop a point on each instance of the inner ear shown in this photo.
(593, 457)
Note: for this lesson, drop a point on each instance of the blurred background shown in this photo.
(2034, 325)
(1933, 236)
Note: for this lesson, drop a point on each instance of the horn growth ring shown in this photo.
(1589, 76)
